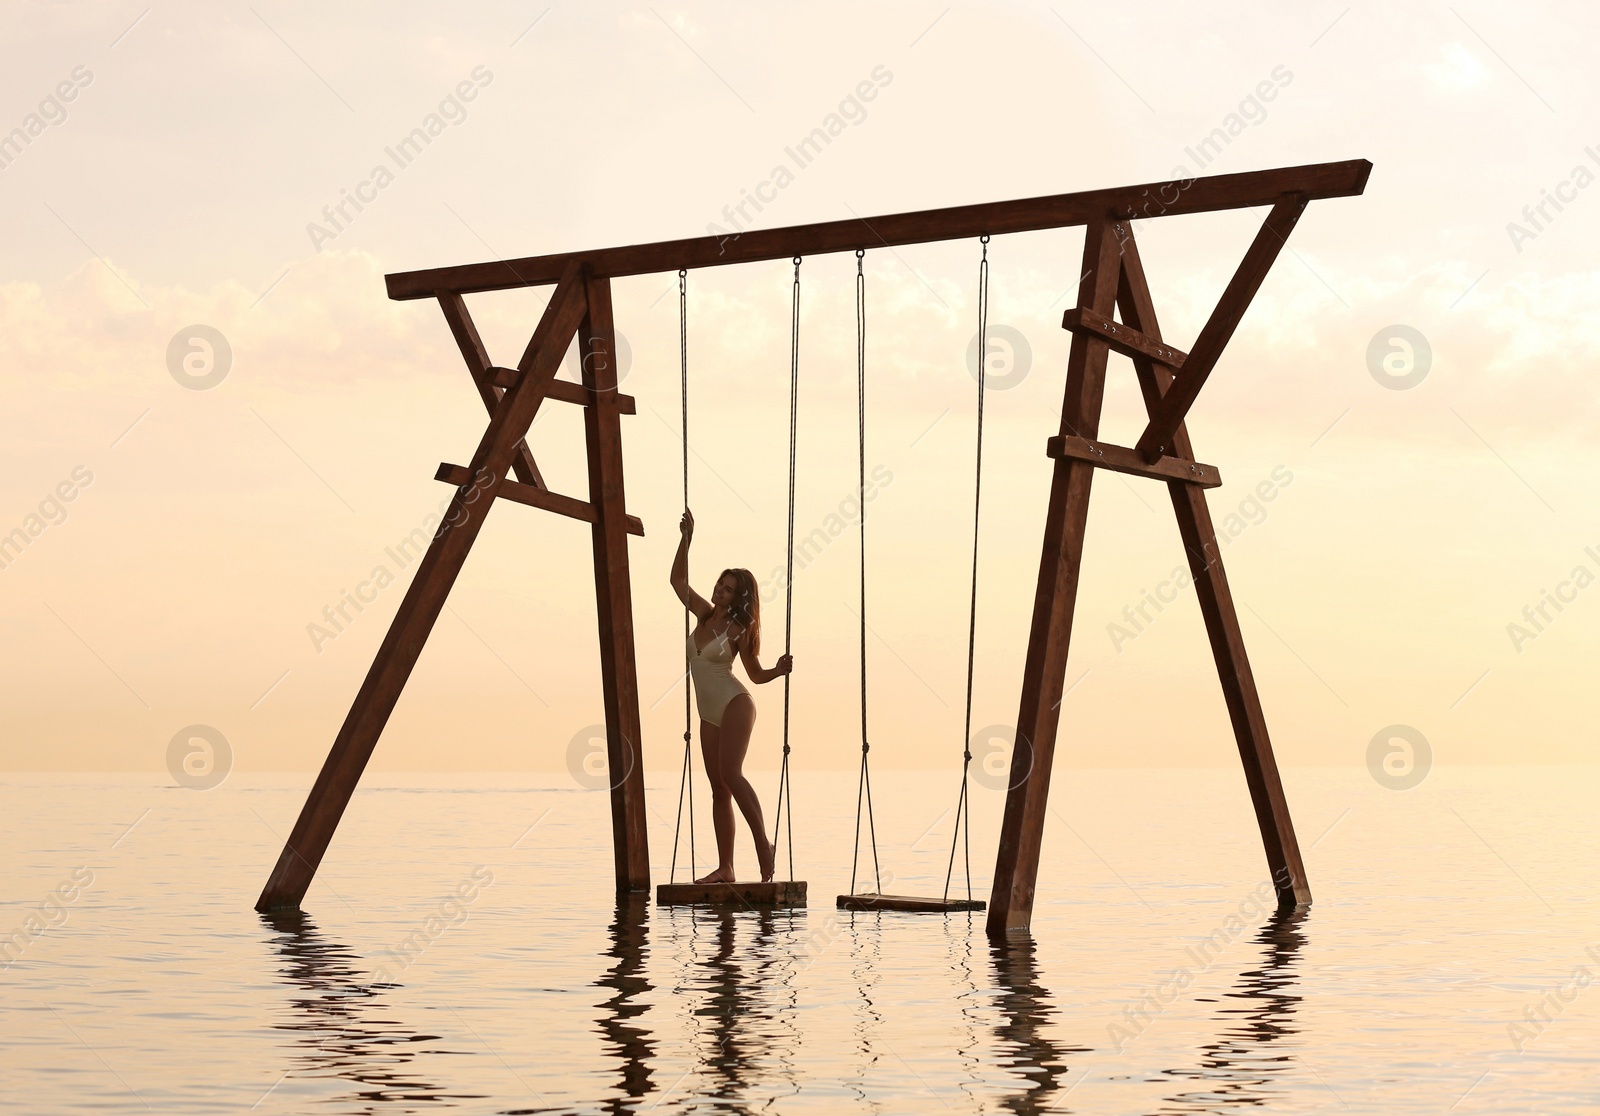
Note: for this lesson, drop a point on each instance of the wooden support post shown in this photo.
(1044, 673)
(424, 600)
(619, 676)
(1216, 605)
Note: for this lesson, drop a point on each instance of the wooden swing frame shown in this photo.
(1114, 313)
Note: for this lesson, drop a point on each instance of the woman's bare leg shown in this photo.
(721, 804)
(738, 721)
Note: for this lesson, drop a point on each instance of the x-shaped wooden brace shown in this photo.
(1114, 281)
(1181, 375)
(492, 383)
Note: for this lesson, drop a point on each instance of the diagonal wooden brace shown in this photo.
(473, 352)
(1218, 330)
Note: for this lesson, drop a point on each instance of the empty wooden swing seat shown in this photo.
(749, 893)
(910, 903)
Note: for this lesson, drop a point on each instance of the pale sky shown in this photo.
(180, 153)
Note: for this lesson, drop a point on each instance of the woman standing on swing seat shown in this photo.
(729, 622)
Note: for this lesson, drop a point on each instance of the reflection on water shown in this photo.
(1024, 1030)
(337, 1033)
(739, 989)
(628, 1043)
(865, 969)
(1238, 1067)
(148, 997)
(960, 936)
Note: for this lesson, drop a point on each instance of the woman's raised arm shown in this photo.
(693, 601)
(759, 674)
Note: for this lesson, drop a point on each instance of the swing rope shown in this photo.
(864, 784)
(686, 778)
(785, 791)
(962, 834)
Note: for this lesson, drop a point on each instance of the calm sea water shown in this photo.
(461, 950)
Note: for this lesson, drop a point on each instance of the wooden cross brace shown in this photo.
(581, 306)
(1114, 280)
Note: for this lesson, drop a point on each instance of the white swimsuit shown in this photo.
(714, 683)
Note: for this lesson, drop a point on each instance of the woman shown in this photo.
(730, 622)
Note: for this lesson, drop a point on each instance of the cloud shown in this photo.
(327, 319)
(1521, 346)
(1457, 70)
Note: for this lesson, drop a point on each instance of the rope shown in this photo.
(963, 833)
(864, 784)
(686, 779)
(785, 790)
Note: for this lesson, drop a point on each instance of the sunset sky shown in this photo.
(183, 164)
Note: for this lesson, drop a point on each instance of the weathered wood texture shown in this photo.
(1153, 199)
(1121, 459)
(1204, 553)
(1044, 670)
(775, 893)
(1218, 330)
(465, 331)
(564, 391)
(541, 498)
(911, 904)
(1121, 337)
(423, 602)
(619, 677)
(1122, 282)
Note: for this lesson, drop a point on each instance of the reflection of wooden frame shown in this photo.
(1113, 282)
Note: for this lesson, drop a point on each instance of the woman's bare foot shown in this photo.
(719, 876)
(767, 857)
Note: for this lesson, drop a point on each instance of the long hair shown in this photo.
(745, 608)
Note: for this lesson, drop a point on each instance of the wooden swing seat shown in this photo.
(911, 903)
(749, 893)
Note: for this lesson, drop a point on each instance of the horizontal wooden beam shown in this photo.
(564, 390)
(509, 489)
(1121, 338)
(1124, 459)
(1054, 211)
